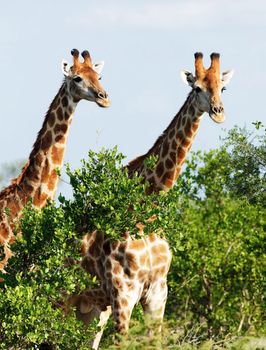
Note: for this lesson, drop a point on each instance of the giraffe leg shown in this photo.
(91, 304)
(104, 317)
(123, 302)
(153, 304)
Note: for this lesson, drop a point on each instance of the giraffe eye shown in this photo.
(100, 78)
(77, 79)
(223, 89)
(197, 89)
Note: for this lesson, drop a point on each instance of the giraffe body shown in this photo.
(38, 179)
(129, 271)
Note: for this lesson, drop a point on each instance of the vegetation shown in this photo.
(214, 219)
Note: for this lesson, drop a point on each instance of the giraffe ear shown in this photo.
(226, 77)
(65, 68)
(98, 67)
(187, 77)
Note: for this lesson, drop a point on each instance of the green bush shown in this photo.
(216, 232)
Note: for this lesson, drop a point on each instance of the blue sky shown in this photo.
(144, 44)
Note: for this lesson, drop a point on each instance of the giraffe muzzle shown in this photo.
(102, 99)
(217, 114)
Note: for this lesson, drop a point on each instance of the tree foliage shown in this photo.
(214, 219)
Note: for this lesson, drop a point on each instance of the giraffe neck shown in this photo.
(170, 149)
(38, 179)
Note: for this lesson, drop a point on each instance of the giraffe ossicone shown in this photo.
(38, 179)
(173, 145)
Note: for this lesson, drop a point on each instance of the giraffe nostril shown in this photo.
(102, 94)
(217, 109)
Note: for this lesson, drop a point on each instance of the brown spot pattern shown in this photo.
(51, 119)
(52, 180)
(47, 140)
(59, 113)
(159, 169)
(57, 154)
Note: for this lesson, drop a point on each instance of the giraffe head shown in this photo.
(207, 85)
(82, 79)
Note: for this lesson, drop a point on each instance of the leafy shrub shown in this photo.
(217, 235)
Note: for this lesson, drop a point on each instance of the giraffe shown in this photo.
(129, 271)
(173, 145)
(171, 149)
(38, 179)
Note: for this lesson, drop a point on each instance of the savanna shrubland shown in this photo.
(213, 218)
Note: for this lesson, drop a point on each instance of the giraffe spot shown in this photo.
(57, 154)
(67, 115)
(60, 139)
(173, 156)
(181, 153)
(86, 264)
(45, 172)
(131, 261)
(123, 316)
(124, 302)
(62, 91)
(117, 283)
(59, 113)
(171, 133)
(13, 206)
(127, 271)
(39, 199)
(191, 110)
(121, 248)
(117, 269)
(137, 244)
(130, 285)
(169, 164)
(180, 135)
(38, 159)
(57, 128)
(119, 258)
(51, 119)
(186, 143)
(47, 140)
(162, 270)
(94, 250)
(183, 120)
(4, 233)
(165, 148)
(174, 145)
(168, 178)
(177, 172)
(106, 248)
(115, 245)
(108, 275)
(64, 128)
(52, 180)
(60, 128)
(142, 276)
(159, 170)
(152, 238)
(108, 265)
(159, 259)
(143, 260)
(64, 101)
(188, 126)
